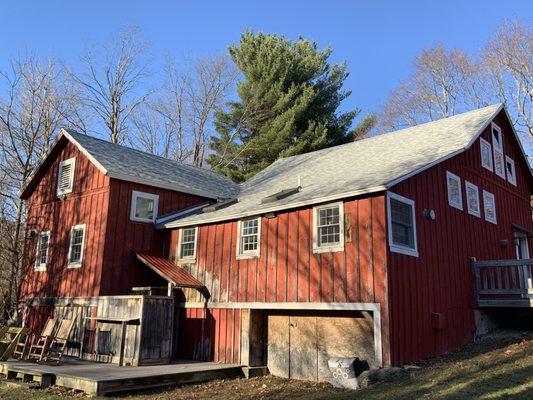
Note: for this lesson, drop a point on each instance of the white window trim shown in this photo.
(396, 248)
(452, 176)
(76, 264)
(71, 161)
(328, 248)
(242, 255)
(471, 211)
(489, 194)
(193, 257)
(512, 180)
(38, 265)
(134, 196)
(483, 142)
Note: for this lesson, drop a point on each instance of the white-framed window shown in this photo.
(249, 237)
(402, 225)
(497, 149)
(511, 171)
(455, 195)
(328, 223)
(187, 243)
(489, 207)
(486, 154)
(65, 176)
(472, 199)
(41, 252)
(143, 206)
(76, 246)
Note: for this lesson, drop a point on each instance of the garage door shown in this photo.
(299, 346)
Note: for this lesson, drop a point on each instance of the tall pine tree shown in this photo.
(288, 103)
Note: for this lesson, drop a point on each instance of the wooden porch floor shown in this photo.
(100, 378)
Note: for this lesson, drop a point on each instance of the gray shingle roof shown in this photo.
(137, 166)
(365, 166)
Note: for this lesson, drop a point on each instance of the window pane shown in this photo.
(76, 245)
(486, 155)
(454, 189)
(144, 208)
(249, 235)
(402, 223)
(498, 163)
(187, 250)
(187, 243)
(472, 197)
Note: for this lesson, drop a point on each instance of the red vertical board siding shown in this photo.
(440, 279)
(288, 270)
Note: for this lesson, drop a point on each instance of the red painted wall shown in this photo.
(440, 279)
(287, 270)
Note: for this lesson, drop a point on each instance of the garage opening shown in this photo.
(298, 344)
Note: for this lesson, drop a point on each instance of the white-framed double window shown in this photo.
(143, 206)
(486, 154)
(472, 199)
(511, 171)
(249, 237)
(489, 207)
(497, 148)
(402, 225)
(65, 176)
(455, 195)
(76, 246)
(187, 243)
(328, 223)
(41, 252)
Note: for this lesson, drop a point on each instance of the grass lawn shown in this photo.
(497, 367)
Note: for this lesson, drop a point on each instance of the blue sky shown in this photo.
(378, 39)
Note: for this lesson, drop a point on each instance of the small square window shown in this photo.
(328, 228)
(455, 196)
(486, 154)
(489, 206)
(143, 206)
(511, 172)
(65, 176)
(249, 231)
(187, 244)
(77, 244)
(402, 225)
(472, 199)
(41, 255)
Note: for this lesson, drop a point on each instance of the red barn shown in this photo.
(361, 250)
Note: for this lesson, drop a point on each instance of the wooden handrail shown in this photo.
(502, 263)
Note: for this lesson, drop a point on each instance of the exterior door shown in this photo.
(522, 252)
(522, 246)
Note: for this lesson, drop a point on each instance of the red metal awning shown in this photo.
(169, 271)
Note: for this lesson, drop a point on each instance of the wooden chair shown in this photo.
(39, 346)
(54, 352)
(23, 346)
(9, 340)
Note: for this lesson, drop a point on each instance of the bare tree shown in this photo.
(509, 58)
(37, 102)
(180, 119)
(113, 80)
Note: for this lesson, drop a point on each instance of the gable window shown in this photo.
(249, 232)
(510, 168)
(489, 207)
(328, 221)
(65, 176)
(187, 243)
(486, 154)
(455, 197)
(402, 225)
(77, 244)
(143, 206)
(472, 199)
(41, 255)
(497, 147)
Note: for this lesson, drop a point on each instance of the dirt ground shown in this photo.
(497, 367)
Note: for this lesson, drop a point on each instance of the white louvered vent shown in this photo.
(65, 177)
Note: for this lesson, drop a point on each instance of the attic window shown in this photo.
(486, 154)
(455, 196)
(497, 148)
(143, 206)
(65, 176)
(511, 172)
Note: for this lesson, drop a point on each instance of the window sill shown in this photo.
(404, 250)
(144, 221)
(331, 249)
(247, 256)
(73, 265)
(40, 268)
(186, 261)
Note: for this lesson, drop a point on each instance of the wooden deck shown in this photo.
(99, 378)
(503, 283)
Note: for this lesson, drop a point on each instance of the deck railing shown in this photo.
(503, 283)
